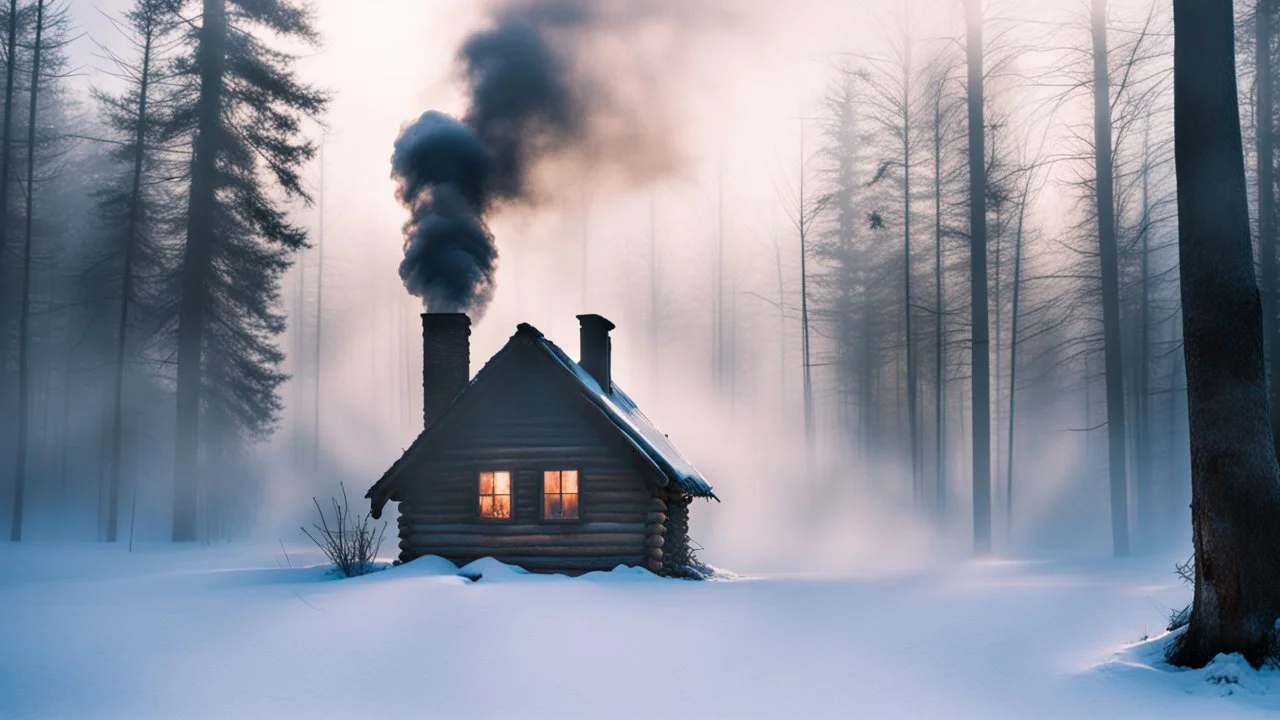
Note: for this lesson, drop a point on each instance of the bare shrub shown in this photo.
(350, 543)
(1187, 572)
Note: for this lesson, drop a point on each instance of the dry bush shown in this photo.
(350, 543)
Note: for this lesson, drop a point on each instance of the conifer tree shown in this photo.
(244, 117)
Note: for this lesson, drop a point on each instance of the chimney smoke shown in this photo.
(536, 91)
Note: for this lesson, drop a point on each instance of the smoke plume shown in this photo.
(542, 90)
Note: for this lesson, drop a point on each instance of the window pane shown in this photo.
(502, 483)
(502, 507)
(554, 510)
(486, 483)
(546, 505)
(551, 482)
(570, 484)
(570, 507)
(486, 506)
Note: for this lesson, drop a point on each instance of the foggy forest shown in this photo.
(903, 279)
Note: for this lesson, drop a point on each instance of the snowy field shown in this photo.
(88, 631)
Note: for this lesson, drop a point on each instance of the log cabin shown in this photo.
(538, 461)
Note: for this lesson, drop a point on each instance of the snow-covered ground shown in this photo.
(88, 631)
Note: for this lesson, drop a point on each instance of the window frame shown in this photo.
(542, 498)
(511, 487)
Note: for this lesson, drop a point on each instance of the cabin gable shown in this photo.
(526, 418)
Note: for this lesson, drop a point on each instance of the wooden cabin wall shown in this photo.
(527, 418)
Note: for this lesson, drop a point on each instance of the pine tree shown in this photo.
(244, 118)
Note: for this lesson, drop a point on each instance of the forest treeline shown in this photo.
(143, 236)
(1040, 252)
(988, 253)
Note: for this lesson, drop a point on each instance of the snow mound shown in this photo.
(493, 571)
(1227, 676)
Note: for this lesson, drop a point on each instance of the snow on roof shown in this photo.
(638, 428)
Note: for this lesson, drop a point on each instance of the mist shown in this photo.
(660, 180)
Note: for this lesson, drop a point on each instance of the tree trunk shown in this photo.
(981, 353)
(939, 376)
(810, 440)
(1235, 489)
(1013, 356)
(197, 264)
(1108, 254)
(1264, 117)
(913, 421)
(1142, 408)
(6, 154)
(126, 287)
(6, 139)
(24, 317)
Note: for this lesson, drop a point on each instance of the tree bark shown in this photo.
(1264, 117)
(1108, 254)
(197, 264)
(1235, 490)
(981, 352)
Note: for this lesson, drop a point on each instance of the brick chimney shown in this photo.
(446, 361)
(596, 349)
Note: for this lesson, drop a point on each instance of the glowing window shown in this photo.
(495, 495)
(560, 495)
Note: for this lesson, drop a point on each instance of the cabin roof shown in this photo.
(616, 406)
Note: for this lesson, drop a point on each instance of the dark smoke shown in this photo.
(534, 96)
(443, 176)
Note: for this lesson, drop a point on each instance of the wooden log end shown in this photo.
(654, 566)
(656, 518)
(655, 554)
(655, 541)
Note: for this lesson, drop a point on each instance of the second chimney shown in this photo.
(596, 350)
(446, 361)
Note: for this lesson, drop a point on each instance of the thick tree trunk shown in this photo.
(126, 289)
(24, 317)
(1108, 254)
(981, 352)
(1235, 491)
(197, 264)
(1264, 117)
